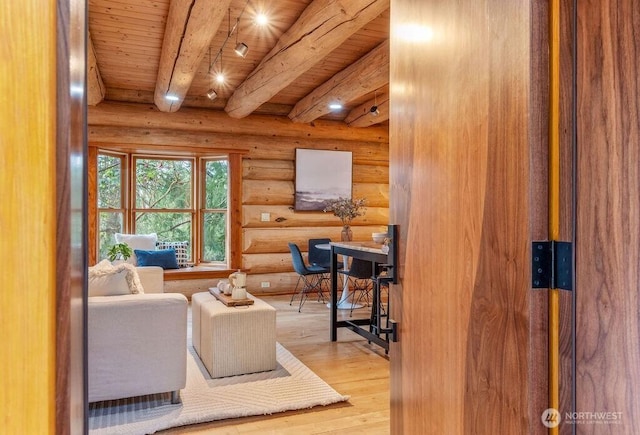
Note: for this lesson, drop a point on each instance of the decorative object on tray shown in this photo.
(228, 300)
(238, 282)
(224, 286)
(346, 209)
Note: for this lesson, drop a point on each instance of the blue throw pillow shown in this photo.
(165, 258)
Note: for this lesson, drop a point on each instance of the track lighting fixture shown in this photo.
(374, 109)
(242, 49)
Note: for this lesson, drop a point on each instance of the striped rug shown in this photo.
(291, 386)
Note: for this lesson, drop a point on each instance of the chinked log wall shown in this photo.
(268, 144)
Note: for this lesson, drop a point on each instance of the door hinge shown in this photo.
(552, 265)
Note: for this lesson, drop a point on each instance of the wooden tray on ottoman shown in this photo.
(228, 300)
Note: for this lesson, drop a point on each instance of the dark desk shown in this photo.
(366, 251)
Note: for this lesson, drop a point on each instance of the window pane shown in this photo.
(109, 224)
(215, 237)
(163, 183)
(170, 227)
(217, 176)
(109, 181)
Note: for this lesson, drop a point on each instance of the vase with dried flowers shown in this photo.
(346, 209)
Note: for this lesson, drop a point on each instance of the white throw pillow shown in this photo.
(105, 279)
(144, 242)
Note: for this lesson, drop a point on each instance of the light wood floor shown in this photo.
(351, 366)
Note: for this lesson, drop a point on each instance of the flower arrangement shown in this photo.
(346, 209)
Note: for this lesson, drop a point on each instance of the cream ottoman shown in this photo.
(233, 340)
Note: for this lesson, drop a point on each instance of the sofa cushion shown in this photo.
(106, 279)
(181, 248)
(165, 258)
(137, 241)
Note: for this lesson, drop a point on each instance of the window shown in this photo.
(110, 200)
(163, 198)
(168, 196)
(214, 210)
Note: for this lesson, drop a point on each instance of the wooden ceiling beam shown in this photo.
(369, 73)
(362, 116)
(124, 115)
(191, 25)
(321, 28)
(95, 85)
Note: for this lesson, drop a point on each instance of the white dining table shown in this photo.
(344, 303)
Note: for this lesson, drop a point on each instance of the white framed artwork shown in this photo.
(321, 175)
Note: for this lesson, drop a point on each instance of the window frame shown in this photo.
(124, 193)
(198, 175)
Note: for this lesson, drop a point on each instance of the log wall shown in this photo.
(268, 144)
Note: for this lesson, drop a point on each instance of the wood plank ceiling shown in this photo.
(311, 53)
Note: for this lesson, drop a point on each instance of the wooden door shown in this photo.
(607, 326)
(71, 214)
(468, 173)
(27, 218)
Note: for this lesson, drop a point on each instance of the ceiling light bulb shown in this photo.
(335, 106)
(262, 19)
(374, 111)
(242, 49)
(220, 78)
(212, 94)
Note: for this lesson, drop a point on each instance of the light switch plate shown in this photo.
(265, 217)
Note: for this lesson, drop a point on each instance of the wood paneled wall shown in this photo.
(463, 91)
(268, 175)
(608, 214)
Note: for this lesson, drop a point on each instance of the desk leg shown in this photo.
(334, 296)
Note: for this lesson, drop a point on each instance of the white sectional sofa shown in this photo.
(137, 343)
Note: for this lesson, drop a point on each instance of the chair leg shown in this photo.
(325, 280)
(310, 283)
(364, 287)
(295, 290)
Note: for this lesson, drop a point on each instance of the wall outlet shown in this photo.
(265, 217)
(265, 284)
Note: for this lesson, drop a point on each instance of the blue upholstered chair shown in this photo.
(317, 256)
(310, 277)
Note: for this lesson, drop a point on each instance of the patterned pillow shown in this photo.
(181, 248)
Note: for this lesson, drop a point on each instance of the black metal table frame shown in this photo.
(356, 324)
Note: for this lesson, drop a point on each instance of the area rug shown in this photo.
(291, 386)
